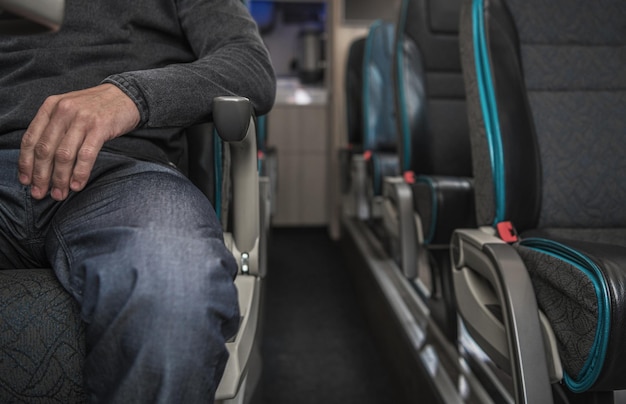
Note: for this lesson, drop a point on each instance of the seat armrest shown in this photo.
(488, 272)
(235, 125)
(400, 224)
(444, 204)
(48, 13)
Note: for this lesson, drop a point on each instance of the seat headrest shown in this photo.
(443, 15)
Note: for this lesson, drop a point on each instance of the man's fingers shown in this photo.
(61, 145)
(64, 162)
(44, 155)
(30, 139)
(85, 161)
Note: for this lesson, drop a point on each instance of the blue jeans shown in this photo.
(141, 250)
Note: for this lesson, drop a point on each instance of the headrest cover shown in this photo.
(444, 15)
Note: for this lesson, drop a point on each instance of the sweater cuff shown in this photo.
(133, 93)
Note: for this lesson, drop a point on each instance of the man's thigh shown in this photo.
(134, 214)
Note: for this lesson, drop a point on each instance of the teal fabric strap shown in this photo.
(489, 108)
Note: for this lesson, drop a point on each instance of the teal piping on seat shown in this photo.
(261, 131)
(406, 130)
(367, 135)
(217, 165)
(433, 214)
(489, 108)
(595, 361)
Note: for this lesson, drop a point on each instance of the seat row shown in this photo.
(42, 336)
(486, 154)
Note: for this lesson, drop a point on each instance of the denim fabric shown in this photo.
(141, 250)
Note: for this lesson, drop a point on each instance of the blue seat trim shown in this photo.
(367, 136)
(595, 361)
(404, 119)
(261, 132)
(489, 108)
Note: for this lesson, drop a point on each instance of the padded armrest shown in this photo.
(235, 125)
(444, 204)
(48, 13)
(489, 273)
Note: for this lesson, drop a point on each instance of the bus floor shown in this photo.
(317, 345)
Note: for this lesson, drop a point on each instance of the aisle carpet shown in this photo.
(317, 345)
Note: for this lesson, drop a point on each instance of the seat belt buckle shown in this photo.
(409, 177)
(367, 155)
(506, 231)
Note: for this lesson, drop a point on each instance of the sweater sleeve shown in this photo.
(231, 60)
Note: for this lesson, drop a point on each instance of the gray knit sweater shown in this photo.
(172, 57)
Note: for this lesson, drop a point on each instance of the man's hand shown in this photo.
(62, 142)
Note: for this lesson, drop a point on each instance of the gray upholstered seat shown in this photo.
(546, 88)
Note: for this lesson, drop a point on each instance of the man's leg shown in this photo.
(141, 250)
(18, 237)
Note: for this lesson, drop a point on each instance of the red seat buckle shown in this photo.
(367, 155)
(507, 232)
(409, 177)
(260, 155)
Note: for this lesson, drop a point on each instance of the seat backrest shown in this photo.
(208, 167)
(546, 84)
(379, 129)
(354, 92)
(430, 97)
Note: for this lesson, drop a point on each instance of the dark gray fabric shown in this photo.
(354, 92)
(444, 15)
(442, 84)
(34, 308)
(435, 137)
(567, 298)
(570, 21)
(573, 57)
(557, 67)
(172, 57)
(583, 149)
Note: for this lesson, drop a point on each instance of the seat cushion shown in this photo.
(580, 285)
(379, 166)
(444, 204)
(42, 344)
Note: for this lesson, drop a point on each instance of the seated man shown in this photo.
(91, 135)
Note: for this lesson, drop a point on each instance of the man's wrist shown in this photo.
(133, 93)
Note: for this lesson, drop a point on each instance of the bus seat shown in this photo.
(540, 282)
(353, 171)
(434, 195)
(41, 333)
(375, 157)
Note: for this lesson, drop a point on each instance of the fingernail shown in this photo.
(56, 194)
(75, 186)
(35, 191)
(23, 178)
